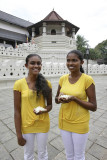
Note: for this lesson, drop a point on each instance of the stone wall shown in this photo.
(12, 64)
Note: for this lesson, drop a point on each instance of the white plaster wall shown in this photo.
(90, 62)
(12, 61)
(62, 43)
(56, 27)
(13, 28)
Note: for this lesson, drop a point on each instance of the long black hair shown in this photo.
(41, 83)
(80, 56)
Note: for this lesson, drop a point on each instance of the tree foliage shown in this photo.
(93, 54)
(100, 51)
(81, 43)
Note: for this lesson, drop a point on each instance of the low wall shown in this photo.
(12, 64)
(9, 82)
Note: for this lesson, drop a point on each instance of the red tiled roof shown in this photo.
(53, 16)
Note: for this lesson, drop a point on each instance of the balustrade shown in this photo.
(12, 62)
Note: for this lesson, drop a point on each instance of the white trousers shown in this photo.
(41, 139)
(74, 144)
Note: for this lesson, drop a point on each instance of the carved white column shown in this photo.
(33, 32)
(44, 29)
(63, 28)
(15, 44)
(73, 33)
(4, 42)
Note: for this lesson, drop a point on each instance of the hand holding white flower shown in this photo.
(64, 96)
(38, 109)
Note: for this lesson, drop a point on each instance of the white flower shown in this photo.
(64, 96)
(38, 109)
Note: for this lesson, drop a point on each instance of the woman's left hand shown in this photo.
(40, 112)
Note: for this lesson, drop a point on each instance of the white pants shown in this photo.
(41, 144)
(74, 144)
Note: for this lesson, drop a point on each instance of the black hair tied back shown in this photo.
(42, 86)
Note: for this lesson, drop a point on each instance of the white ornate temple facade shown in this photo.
(52, 38)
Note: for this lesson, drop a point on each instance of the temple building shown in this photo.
(14, 30)
(53, 24)
(52, 38)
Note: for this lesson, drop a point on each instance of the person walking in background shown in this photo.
(76, 93)
(29, 93)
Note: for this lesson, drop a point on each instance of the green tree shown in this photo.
(101, 49)
(81, 43)
(93, 54)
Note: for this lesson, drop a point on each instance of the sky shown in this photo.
(89, 15)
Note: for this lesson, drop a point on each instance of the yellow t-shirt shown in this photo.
(31, 123)
(72, 116)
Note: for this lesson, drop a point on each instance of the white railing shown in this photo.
(16, 68)
(96, 69)
(12, 62)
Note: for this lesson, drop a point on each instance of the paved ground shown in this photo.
(96, 148)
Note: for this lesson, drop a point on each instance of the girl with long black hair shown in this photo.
(29, 93)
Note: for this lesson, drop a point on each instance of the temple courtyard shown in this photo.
(96, 148)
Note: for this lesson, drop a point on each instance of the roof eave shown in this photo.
(38, 24)
(13, 23)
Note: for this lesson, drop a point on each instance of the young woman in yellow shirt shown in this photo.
(76, 93)
(29, 93)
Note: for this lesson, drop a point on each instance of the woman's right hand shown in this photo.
(60, 100)
(21, 141)
(65, 99)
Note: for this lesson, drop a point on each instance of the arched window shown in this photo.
(53, 32)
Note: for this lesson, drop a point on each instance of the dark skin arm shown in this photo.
(57, 99)
(17, 117)
(90, 105)
(49, 104)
